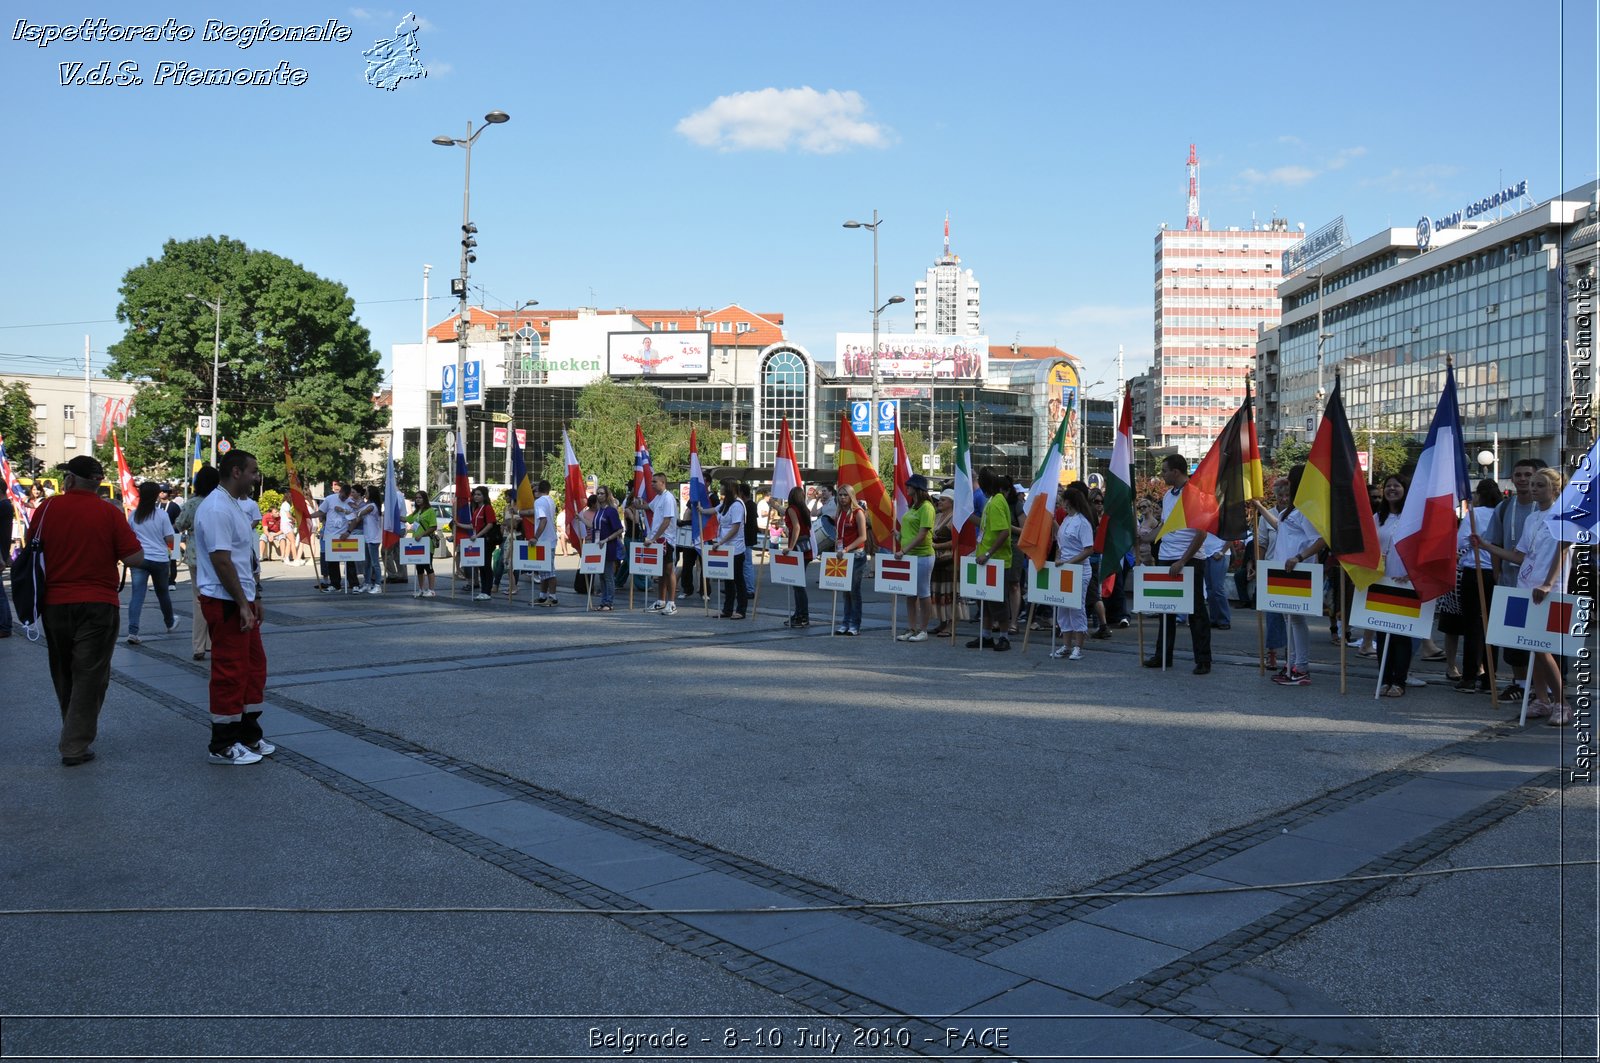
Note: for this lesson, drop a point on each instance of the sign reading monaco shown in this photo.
(658, 354)
(918, 356)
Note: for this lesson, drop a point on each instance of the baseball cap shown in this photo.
(83, 467)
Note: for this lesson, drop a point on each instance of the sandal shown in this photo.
(1560, 717)
(1394, 692)
(1538, 710)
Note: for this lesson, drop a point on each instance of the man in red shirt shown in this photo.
(83, 536)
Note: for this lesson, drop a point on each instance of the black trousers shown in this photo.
(735, 599)
(80, 638)
(351, 571)
(1475, 655)
(1397, 666)
(1199, 620)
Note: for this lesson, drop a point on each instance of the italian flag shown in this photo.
(1117, 528)
(962, 521)
(1038, 521)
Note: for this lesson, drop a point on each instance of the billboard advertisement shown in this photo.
(1061, 404)
(918, 356)
(663, 355)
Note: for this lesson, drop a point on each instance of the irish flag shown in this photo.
(1055, 578)
(1117, 528)
(966, 527)
(1038, 520)
(1425, 538)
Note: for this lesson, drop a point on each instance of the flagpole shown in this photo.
(1261, 630)
(1344, 624)
(1483, 629)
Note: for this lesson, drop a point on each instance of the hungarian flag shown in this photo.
(1116, 533)
(394, 522)
(1216, 498)
(463, 516)
(575, 489)
(1333, 496)
(785, 471)
(902, 473)
(130, 489)
(297, 494)
(644, 485)
(857, 473)
(963, 520)
(1425, 537)
(1038, 519)
(702, 517)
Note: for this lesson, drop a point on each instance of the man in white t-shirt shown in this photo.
(663, 531)
(1178, 550)
(336, 513)
(229, 593)
(544, 534)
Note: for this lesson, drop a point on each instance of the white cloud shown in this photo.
(772, 119)
(1294, 175)
(439, 69)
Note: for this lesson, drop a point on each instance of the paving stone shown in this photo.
(616, 864)
(515, 823)
(714, 890)
(1434, 797)
(1372, 830)
(912, 978)
(281, 722)
(438, 791)
(1286, 859)
(1188, 922)
(1084, 958)
(358, 759)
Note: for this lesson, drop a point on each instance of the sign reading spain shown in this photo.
(836, 573)
(1157, 590)
(1060, 585)
(788, 568)
(985, 582)
(1394, 608)
(1559, 624)
(1298, 592)
(346, 549)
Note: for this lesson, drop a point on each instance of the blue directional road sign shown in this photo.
(472, 381)
(447, 386)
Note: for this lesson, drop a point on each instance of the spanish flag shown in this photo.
(855, 470)
(1333, 496)
(1217, 497)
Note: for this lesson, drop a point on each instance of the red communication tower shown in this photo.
(1193, 224)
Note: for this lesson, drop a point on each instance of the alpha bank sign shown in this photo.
(1426, 226)
(1315, 247)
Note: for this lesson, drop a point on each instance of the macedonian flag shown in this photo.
(856, 471)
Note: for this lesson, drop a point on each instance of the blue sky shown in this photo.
(647, 164)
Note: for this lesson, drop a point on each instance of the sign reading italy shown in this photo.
(985, 582)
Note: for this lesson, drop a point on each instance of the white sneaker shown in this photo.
(133, 640)
(903, 637)
(1075, 655)
(655, 607)
(235, 754)
(430, 594)
(920, 636)
(669, 610)
(262, 748)
(377, 588)
(1413, 681)
(1059, 652)
(417, 593)
(480, 597)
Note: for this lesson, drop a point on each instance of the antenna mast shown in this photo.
(1193, 224)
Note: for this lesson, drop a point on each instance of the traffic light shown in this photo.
(469, 241)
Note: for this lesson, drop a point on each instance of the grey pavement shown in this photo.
(464, 754)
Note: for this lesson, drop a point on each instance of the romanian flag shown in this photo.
(1333, 496)
(297, 495)
(1396, 601)
(1056, 578)
(1558, 620)
(835, 567)
(1216, 498)
(1038, 520)
(983, 575)
(1425, 538)
(856, 472)
(531, 553)
(1289, 584)
(521, 482)
(1163, 585)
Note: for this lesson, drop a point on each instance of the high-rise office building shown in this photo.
(946, 301)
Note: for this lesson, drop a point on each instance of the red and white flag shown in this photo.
(902, 473)
(643, 476)
(786, 471)
(576, 490)
(1425, 538)
(130, 489)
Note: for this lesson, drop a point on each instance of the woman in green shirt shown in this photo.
(425, 525)
(916, 541)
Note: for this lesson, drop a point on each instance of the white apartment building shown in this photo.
(946, 300)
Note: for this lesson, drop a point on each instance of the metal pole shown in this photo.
(216, 365)
(422, 443)
(877, 376)
(1321, 337)
(88, 406)
(461, 309)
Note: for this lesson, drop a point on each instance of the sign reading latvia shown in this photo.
(593, 561)
(346, 550)
(416, 552)
(1298, 592)
(532, 557)
(1157, 590)
(788, 568)
(985, 582)
(894, 577)
(1559, 624)
(718, 564)
(471, 553)
(837, 572)
(1394, 608)
(1057, 585)
(644, 559)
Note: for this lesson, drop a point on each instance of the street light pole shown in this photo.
(216, 366)
(468, 242)
(877, 375)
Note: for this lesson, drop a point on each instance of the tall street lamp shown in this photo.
(877, 376)
(216, 365)
(459, 285)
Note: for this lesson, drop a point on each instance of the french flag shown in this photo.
(1425, 538)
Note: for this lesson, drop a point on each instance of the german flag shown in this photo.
(1396, 601)
(1217, 497)
(1289, 584)
(1333, 496)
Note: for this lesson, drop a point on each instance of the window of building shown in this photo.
(40, 411)
(70, 442)
(68, 413)
(744, 326)
(783, 395)
(672, 326)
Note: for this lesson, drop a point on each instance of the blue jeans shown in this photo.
(749, 572)
(1217, 589)
(608, 581)
(1277, 633)
(374, 566)
(154, 572)
(852, 597)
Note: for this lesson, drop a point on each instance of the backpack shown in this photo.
(28, 582)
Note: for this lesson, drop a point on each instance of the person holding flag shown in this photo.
(1118, 530)
(731, 520)
(702, 512)
(916, 541)
(994, 544)
(851, 532)
(1178, 546)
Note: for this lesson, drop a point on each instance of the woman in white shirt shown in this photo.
(1473, 564)
(1074, 544)
(1397, 661)
(1295, 542)
(730, 537)
(1542, 568)
(153, 528)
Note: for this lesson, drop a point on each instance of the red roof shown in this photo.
(764, 329)
(1009, 352)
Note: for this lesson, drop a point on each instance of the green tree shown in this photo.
(1285, 456)
(16, 424)
(294, 360)
(1389, 447)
